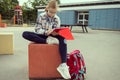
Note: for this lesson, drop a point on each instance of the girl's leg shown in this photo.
(31, 36)
(63, 69)
(62, 48)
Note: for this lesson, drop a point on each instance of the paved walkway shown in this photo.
(100, 48)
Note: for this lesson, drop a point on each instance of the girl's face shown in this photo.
(51, 12)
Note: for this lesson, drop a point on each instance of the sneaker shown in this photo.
(52, 40)
(63, 69)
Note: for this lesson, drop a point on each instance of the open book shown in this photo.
(64, 32)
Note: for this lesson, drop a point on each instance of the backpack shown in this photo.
(76, 64)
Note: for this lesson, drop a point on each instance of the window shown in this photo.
(83, 17)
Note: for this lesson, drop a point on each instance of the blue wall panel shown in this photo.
(92, 18)
(110, 19)
(67, 17)
(117, 19)
(105, 19)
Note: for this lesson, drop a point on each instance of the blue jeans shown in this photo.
(37, 38)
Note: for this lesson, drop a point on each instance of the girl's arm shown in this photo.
(39, 26)
(57, 25)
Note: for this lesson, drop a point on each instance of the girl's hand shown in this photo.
(54, 33)
(50, 31)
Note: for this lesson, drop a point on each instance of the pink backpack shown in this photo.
(76, 64)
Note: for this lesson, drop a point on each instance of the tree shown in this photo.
(7, 6)
(41, 3)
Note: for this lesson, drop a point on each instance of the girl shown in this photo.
(46, 22)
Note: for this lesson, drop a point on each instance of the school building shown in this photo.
(97, 14)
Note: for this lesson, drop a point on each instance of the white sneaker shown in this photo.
(52, 40)
(63, 69)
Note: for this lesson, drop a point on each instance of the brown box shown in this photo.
(43, 61)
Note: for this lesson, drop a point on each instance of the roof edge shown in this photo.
(84, 4)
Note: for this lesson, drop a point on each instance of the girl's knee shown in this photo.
(25, 34)
(65, 41)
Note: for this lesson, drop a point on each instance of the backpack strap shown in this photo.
(82, 69)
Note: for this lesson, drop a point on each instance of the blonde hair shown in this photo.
(52, 4)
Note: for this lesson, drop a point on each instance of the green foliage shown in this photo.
(39, 3)
(6, 7)
(29, 15)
